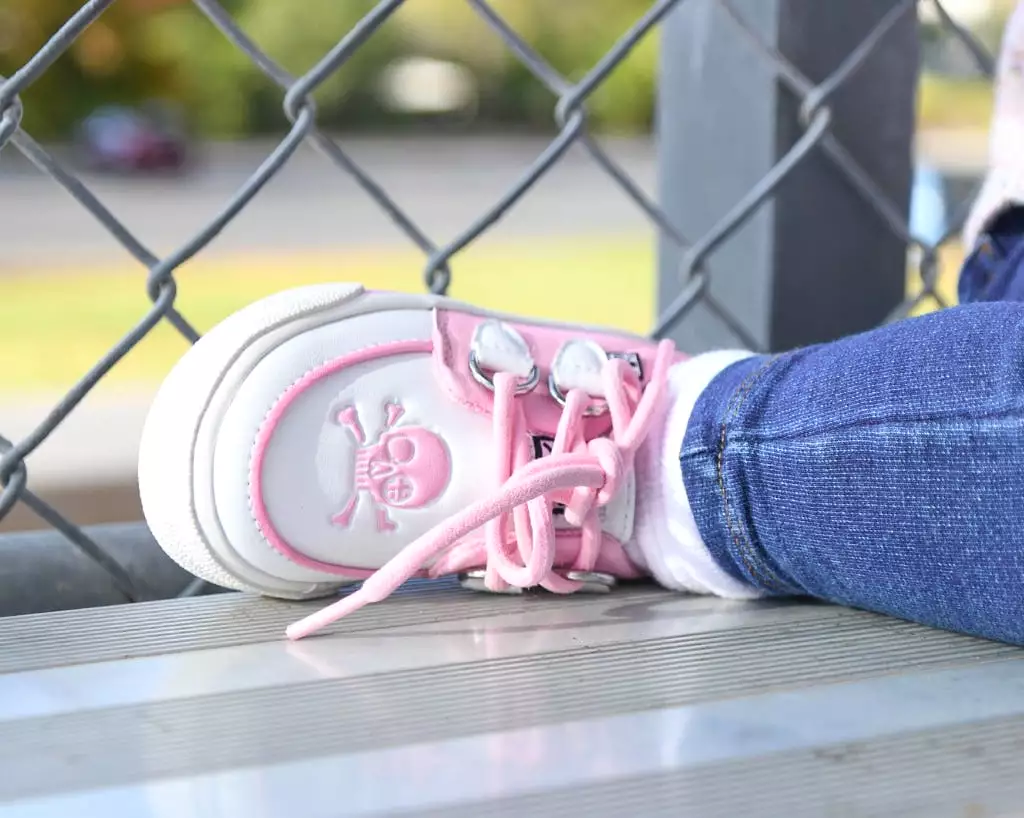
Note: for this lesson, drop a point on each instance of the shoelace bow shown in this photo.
(583, 475)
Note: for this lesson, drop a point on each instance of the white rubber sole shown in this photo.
(172, 461)
(175, 456)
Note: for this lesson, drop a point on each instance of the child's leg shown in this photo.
(885, 471)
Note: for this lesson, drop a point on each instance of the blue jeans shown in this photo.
(884, 471)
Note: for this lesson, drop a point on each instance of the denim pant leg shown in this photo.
(884, 471)
(994, 271)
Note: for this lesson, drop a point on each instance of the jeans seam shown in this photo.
(992, 263)
(1011, 260)
(990, 267)
(737, 531)
(869, 423)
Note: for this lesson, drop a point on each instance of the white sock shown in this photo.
(666, 540)
(1004, 182)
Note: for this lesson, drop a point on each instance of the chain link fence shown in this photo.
(570, 115)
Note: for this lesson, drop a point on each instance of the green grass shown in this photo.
(946, 102)
(950, 260)
(54, 324)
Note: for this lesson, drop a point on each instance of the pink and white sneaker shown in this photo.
(328, 434)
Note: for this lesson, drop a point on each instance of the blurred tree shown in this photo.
(165, 48)
(108, 63)
(230, 96)
(212, 79)
(571, 35)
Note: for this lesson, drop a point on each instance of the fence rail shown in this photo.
(688, 278)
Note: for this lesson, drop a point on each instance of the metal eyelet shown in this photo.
(474, 581)
(594, 582)
(598, 407)
(524, 385)
(486, 380)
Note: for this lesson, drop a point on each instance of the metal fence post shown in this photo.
(816, 262)
(42, 571)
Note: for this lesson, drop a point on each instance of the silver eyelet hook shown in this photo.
(593, 582)
(474, 581)
(597, 354)
(476, 369)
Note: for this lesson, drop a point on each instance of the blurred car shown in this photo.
(126, 140)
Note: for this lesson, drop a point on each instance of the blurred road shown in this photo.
(443, 184)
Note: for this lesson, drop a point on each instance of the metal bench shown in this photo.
(445, 702)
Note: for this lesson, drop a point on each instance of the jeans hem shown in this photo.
(758, 569)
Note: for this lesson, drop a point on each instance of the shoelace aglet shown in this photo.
(327, 616)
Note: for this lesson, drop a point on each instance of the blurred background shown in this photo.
(164, 119)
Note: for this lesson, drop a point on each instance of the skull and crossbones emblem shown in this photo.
(406, 467)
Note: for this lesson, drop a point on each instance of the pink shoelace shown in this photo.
(581, 474)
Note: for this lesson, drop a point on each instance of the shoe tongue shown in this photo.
(617, 516)
(572, 362)
(579, 365)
